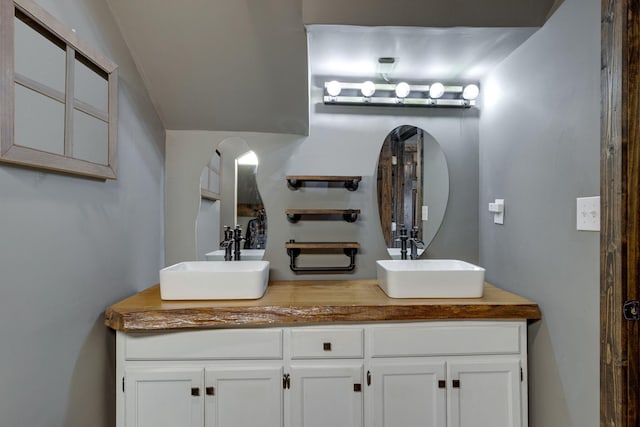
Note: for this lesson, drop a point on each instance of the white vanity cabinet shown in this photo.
(428, 374)
(326, 394)
(488, 392)
(208, 378)
(163, 396)
(453, 374)
(239, 395)
(406, 392)
(326, 370)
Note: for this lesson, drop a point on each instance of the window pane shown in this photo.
(38, 58)
(91, 85)
(39, 121)
(90, 138)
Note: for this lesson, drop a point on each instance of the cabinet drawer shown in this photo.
(442, 339)
(205, 344)
(327, 343)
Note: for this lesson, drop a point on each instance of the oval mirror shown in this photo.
(413, 187)
(230, 196)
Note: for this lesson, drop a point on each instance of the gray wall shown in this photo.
(70, 247)
(347, 141)
(342, 143)
(539, 150)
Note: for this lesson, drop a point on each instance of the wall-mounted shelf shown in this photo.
(294, 249)
(349, 215)
(296, 181)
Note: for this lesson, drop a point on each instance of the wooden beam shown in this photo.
(620, 200)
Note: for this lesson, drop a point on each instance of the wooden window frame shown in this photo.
(25, 156)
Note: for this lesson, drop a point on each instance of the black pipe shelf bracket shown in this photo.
(296, 181)
(349, 215)
(294, 249)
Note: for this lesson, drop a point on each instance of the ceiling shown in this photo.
(460, 53)
(242, 64)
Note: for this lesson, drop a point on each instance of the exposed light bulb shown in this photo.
(334, 88)
(368, 88)
(402, 90)
(436, 90)
(470, 92)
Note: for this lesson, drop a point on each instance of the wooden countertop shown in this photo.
(310, 302)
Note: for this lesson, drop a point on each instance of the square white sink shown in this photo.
(245, 255)
(197, 280)
(430, 278)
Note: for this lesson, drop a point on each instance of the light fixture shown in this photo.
(248, 158)
(333, 88)
(401, 94)
(436, 90)
(368, 88)
(470, 92)
(402, 89)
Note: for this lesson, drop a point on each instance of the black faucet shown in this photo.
(403, 241)
(227, 243)
(237, 238)
(415, 243)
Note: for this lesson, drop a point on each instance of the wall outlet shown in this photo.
(588, 213)
(498, 211)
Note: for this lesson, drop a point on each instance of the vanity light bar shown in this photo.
(349, 93)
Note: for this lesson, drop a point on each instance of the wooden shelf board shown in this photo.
(321, 211)
(327, 178)
(322, 245)
(209, 195)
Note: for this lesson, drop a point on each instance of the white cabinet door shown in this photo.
(326, 395)
(484, 392)
(164, 397)
(408, 393)
(243, 396)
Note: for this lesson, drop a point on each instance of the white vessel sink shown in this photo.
(245, 255)
(430, 278)
(197, 280)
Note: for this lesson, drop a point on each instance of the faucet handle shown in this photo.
(237, 233)
(419, 243)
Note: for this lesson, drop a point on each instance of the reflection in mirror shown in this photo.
(208, 219)
(230, 197)
(413, 186)
(250, 211)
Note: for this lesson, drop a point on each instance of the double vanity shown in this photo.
(322, 353)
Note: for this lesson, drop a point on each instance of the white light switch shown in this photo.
(425, 213)
(498, 211)
(588, 213)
